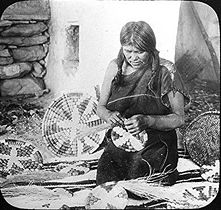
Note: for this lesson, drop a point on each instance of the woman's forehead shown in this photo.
(130, 47)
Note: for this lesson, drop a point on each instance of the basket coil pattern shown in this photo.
(17, 155)
(126, 141)
(65, 120)
(202, 138)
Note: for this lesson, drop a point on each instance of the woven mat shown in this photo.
(194, 192)
(66, 119)
(202, 138)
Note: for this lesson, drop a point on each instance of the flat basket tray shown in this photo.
(202, 138)
(66, 120)
(17, 156)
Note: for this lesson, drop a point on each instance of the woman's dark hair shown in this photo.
(140, 35)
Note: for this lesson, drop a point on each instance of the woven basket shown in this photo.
(107, 196)
(202, 138)
(17, 155)
(126, 141)
(71, 127)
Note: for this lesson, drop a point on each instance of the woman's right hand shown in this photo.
(115, 119)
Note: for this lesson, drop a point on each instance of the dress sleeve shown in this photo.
(172, 81)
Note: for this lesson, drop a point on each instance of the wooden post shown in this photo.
(208, 43)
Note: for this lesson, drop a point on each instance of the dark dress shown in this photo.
(143, 92)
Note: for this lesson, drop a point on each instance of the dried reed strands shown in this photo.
(181, 195)
(152, 191)
(150, 187)
(177, 195)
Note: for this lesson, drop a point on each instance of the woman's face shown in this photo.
(136, 58)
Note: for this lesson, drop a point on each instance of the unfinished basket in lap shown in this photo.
(202, 138)
(126, 141)
(71, 127)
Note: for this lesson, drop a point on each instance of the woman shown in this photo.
(141, 92)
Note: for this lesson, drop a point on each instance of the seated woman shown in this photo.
(141, 92)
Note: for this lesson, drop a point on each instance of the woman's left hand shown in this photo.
(136, 124)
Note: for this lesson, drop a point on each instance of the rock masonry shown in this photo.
(23, 56)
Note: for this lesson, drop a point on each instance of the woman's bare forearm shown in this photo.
(138, 123)
(164, 122)
(111, 117)
(103, 112)
(170, 121)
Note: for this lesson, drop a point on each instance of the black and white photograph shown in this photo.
(109, 104)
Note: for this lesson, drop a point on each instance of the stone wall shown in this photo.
(24, 44)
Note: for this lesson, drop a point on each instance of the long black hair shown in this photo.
(140, 35)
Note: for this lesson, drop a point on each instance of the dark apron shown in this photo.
(140, 93)
(117, 164)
